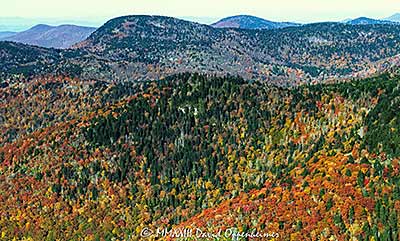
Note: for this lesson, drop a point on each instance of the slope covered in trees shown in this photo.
(29, 105)
(213, 152)
(134, 48)
(309, 52)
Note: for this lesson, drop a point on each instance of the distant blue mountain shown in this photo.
(62, 36)
(394, 18)
(17, 24)
(251, 22)
(365, 20)
(6, 34)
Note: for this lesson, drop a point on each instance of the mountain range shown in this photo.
(63, 36)
(251, 22)
(150, 47)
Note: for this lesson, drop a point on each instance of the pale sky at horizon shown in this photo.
(278, 10)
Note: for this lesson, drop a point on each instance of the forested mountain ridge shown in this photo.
(17, 58)
(300, 54)
(308, 162)
(134, 48)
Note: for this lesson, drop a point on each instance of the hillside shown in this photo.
(90, 159)
(136, 48)
(250, 22)
(61, 37)
(20, 59)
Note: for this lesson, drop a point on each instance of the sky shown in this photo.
(95, 12)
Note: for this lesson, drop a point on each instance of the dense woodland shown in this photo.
(91, 160)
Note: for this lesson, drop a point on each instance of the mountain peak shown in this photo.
(129, 29)
(244, 16)
(250, 22)
(41, 27)
(365, 20)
